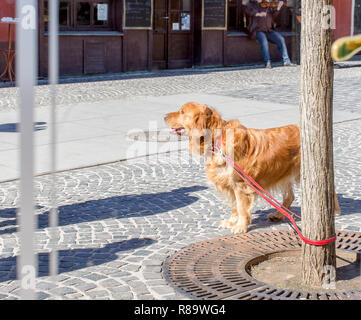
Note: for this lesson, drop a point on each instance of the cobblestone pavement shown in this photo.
(118, 222)
(346, 93)
(279, 84)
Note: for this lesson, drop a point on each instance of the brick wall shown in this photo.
(343, 17)
(7, 9)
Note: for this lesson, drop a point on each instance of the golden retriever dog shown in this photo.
(271, 157)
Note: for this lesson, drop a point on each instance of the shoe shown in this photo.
(269, 65)
(289, 64)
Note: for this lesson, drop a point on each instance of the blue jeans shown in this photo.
(276, 38)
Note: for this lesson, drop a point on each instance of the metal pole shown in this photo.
(26, 73)
(53, 77)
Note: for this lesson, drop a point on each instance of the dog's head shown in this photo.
(192, 119)
(195, 120)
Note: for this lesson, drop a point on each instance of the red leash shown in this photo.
(272, 201)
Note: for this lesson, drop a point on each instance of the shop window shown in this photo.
(236, 15)
(81, 14)
(100, 11)
(286, 20)
(175, 4)
(64, 13)
(180, 15)
(186, 5)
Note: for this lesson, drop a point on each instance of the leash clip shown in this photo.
(218, 150)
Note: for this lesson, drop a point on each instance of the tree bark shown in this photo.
(317, 175)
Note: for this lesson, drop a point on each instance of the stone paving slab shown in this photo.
(97, 133)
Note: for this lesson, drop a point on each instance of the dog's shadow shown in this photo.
(260, 219)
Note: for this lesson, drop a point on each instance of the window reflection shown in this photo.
(100, 13)
(64, 13)
(175, 4)
(286, 20)
(186, 5)
(83, 13)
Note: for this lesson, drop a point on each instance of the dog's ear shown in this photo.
(204, 124)
(201, 121)
(208, 111)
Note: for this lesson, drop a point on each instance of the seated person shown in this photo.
(260, 27)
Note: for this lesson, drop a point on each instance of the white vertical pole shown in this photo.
(26, 74)
(53, 77)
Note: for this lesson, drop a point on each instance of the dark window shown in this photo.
(174, 4)
(64, 13)
(186, 5)
(82, 14)
(236, 15)
(284, 21)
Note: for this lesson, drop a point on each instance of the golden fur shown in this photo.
(271, 157)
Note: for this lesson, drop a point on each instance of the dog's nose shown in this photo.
(166, 117)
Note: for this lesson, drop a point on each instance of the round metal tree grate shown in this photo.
(155, 136)
(216, 269)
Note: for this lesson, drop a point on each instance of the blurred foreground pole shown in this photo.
(53, 77)
(317, 173)
(26, 74)
(345, 48)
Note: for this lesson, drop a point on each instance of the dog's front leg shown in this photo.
(288, 198)
(244, 203)
(232, 221)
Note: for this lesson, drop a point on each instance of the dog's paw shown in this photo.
(239, 228)
(275, 217)
(224, 224)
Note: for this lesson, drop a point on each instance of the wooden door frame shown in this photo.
(191, 33)
(166, 2)
(169, 34)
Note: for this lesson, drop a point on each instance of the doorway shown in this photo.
(173, 34)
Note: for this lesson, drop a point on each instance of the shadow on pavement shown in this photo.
(15, 127)
(75, 259)
(348, 206)
(127, 206)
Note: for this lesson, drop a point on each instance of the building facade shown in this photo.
(111, 36)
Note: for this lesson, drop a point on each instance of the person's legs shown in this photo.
(277, 39)
(263, 42)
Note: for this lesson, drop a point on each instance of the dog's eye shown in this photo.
(182, 112)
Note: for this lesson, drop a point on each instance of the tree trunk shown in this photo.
(317, 175)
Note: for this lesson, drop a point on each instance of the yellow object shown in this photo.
(344, 48)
